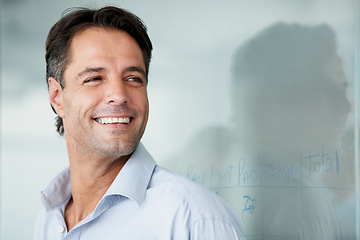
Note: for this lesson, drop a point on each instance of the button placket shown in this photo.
(61, 229)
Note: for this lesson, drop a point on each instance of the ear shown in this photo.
(56, 96)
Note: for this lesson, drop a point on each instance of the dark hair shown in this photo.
(76, 20)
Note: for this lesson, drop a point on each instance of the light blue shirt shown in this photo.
(145, 202)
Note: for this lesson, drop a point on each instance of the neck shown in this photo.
(90, 179)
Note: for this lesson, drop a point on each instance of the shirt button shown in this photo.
(61, 229)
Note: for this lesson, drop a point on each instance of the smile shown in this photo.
(110, 120)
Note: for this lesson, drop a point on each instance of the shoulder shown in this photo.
(206, 209)
(191, 191)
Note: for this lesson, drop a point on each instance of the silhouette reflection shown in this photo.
(283, 161)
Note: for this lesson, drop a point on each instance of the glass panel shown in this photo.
(253, 99)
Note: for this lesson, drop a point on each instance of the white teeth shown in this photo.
(113, 120)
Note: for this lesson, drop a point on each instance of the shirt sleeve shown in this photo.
(215, 229)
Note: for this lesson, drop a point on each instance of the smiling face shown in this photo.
(104, 104)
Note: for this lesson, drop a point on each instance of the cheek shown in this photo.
(80, 103)
(144, 102)
(139, 97)
(141, 102)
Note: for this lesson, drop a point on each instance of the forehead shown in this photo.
(101, 42)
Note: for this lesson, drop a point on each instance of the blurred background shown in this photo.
(256, 100)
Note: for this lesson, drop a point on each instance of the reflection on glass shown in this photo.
(285, 161)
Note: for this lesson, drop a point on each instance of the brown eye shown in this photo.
(93, 80)
(135, 81)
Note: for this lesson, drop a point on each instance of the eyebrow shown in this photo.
(91, 70)
(136, 69)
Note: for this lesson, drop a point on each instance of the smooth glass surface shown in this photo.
(256, 100)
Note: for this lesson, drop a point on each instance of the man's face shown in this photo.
(104, 103)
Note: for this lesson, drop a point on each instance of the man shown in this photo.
(97, 69)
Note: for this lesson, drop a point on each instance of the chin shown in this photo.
(120, 149)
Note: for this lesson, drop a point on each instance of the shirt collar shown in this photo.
(131, 182)
(58, 191)
(133, 179)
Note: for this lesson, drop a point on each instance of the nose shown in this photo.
(343, 101)
(117, 93)
(346, 106)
